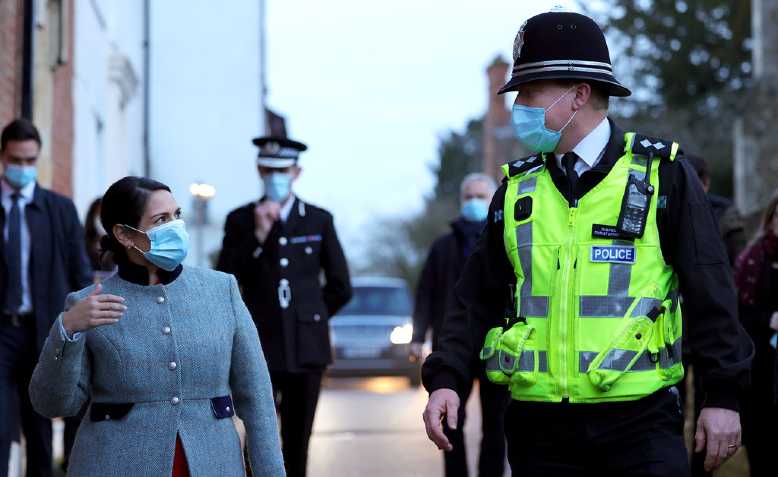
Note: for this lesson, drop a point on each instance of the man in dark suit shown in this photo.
(41, 261)
(277, 249)
(434, 295)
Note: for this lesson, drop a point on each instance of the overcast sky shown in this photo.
(371, 86)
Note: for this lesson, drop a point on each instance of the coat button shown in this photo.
(166, 330)
(284, 282)
(284, 262)
(107, 417)
(308, 250)
(175, 400)
(316, 317)
(282, 241)
(172, 365)
(160, 299)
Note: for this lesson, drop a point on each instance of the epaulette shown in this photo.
(525, 165)
(647, 146)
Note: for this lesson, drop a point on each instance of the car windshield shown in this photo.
(378, 301)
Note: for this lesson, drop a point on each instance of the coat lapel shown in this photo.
(40, 235)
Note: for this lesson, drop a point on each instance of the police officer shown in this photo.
(590, 242)
(277, 248)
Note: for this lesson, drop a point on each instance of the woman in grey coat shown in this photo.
(166, 355)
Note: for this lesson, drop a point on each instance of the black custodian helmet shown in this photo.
(562, 46)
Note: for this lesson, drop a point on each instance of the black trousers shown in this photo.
(491, 459)
(18, 356)
(296, 397)
(759, 414)
(641, 438)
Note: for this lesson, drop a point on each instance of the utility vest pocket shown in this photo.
(507, 361)
(636, 345)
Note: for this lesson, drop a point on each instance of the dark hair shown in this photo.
(700, 166)
(19, 130)
(123, 204)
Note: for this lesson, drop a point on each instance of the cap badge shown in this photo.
(273, 147)
(518, 43)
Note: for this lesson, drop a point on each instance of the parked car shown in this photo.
(371, 335)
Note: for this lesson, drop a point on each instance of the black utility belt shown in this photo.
(222, 408)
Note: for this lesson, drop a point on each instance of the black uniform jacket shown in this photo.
(690, 242)
(58, 260)
(294, 338)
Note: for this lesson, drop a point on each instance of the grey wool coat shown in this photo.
(167, 368)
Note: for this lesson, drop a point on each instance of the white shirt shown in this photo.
(590, 149)
(27, 194)
(286, 209)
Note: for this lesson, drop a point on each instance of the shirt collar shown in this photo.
(27, 192)
(593, 144)
(286, 209)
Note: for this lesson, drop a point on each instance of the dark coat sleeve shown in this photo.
(337, 289)
(79, 269)
(425, 296)
(481, 295)
(239, 247)
(720, 349)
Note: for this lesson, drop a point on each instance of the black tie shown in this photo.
(13, 251)
(568, 161)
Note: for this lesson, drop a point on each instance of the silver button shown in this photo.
(172, 365)
(166, 330)
(308, 250)
(107, 417)
(282, 241)
(284, 262)
(175, 400)
(284, 282)
(227, 408)
(316, 317)
(160, 299)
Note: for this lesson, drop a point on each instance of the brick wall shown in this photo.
(11, 31)
(62, 125)
(496, 121)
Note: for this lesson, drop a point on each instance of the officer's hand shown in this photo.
(415, 352)
(718, 431)
(265, 215)
(443, 403)
(95, 310)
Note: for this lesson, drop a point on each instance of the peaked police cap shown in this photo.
(562, 46)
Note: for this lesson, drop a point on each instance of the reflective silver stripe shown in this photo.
(535, 306)
(544, 69)
(644, 306)
(644, 363)
(524, 240)
(670, 355)
(527, 361)
(529, 185)
(493, 363)
(585, 358)
(620, 275)
(542, 362)
(604, 306)
(564, 62)
(639, 161)
(506, 362)
(618, 359)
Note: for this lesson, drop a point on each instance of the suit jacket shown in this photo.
(58, 260)
(281, 282)
(140, 399)
(441, 271)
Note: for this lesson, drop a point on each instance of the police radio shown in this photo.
(635, 204)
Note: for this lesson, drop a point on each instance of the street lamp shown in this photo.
(201, 194)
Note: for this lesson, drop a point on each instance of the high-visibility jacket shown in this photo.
(597, 316)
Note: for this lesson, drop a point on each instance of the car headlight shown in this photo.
(402, 334)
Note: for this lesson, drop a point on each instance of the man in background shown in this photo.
(435, 293)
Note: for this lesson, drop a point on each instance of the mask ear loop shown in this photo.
(140, 232)
(555, 103)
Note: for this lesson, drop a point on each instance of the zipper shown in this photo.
(566, 302)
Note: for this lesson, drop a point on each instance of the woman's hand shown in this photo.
(95, 310)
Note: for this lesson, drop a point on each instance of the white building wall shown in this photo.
(205, 100)
(107, 95)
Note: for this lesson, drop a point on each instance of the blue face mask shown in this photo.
(20, 176)
(169, 244)
(530, 127)
(475, 210)
(278, 186)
